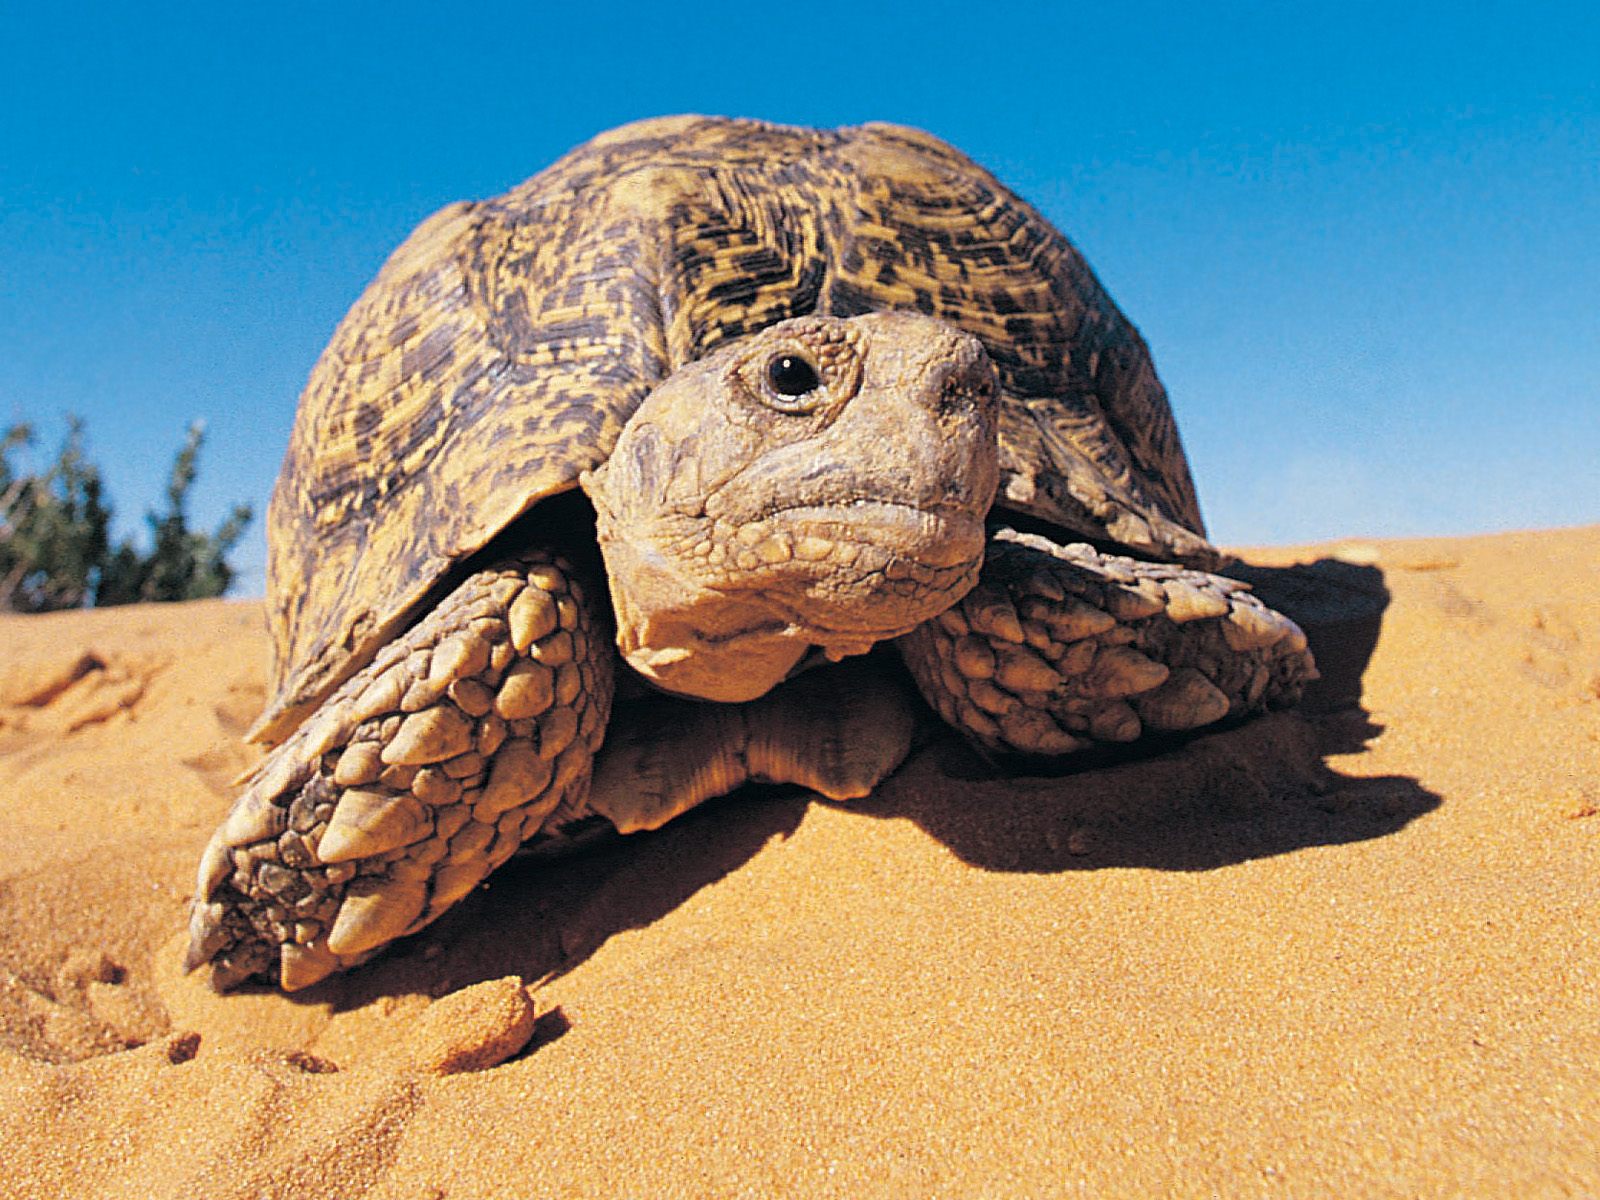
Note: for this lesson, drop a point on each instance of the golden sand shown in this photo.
(1354, 954)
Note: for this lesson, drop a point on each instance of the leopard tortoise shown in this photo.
(743, 401)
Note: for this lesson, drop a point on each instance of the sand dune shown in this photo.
(1345, 952)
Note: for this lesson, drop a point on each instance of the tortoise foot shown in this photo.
(1060, 648)
(414, 780)
(838, 730)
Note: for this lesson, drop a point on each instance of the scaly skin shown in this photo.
(1060, 648)
(416, 778)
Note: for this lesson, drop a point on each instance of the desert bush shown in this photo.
(55, 544)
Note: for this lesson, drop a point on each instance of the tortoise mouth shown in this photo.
(845, 575)
(871, 532)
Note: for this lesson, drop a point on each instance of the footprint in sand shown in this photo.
(1555, 654)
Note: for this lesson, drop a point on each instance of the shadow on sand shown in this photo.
(1259, 789)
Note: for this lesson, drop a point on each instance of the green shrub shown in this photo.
(55, 546)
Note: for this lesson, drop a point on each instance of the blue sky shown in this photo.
(1363, 240)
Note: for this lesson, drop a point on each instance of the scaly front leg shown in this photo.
(1059, 648)
(415, 779)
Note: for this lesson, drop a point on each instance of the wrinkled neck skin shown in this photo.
(741, 525)
(695, 640)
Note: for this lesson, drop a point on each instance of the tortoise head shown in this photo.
(823, 482)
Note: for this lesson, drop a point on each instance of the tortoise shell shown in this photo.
(504, 345)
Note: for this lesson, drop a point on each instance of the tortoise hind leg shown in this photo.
(1059, 648)
(415, 779)
(838, 730)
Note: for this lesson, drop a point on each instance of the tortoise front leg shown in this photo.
(415, 779)
(1059, 648)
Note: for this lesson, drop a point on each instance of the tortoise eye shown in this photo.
(791, 375)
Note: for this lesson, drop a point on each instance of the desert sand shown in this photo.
(1347, 951)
